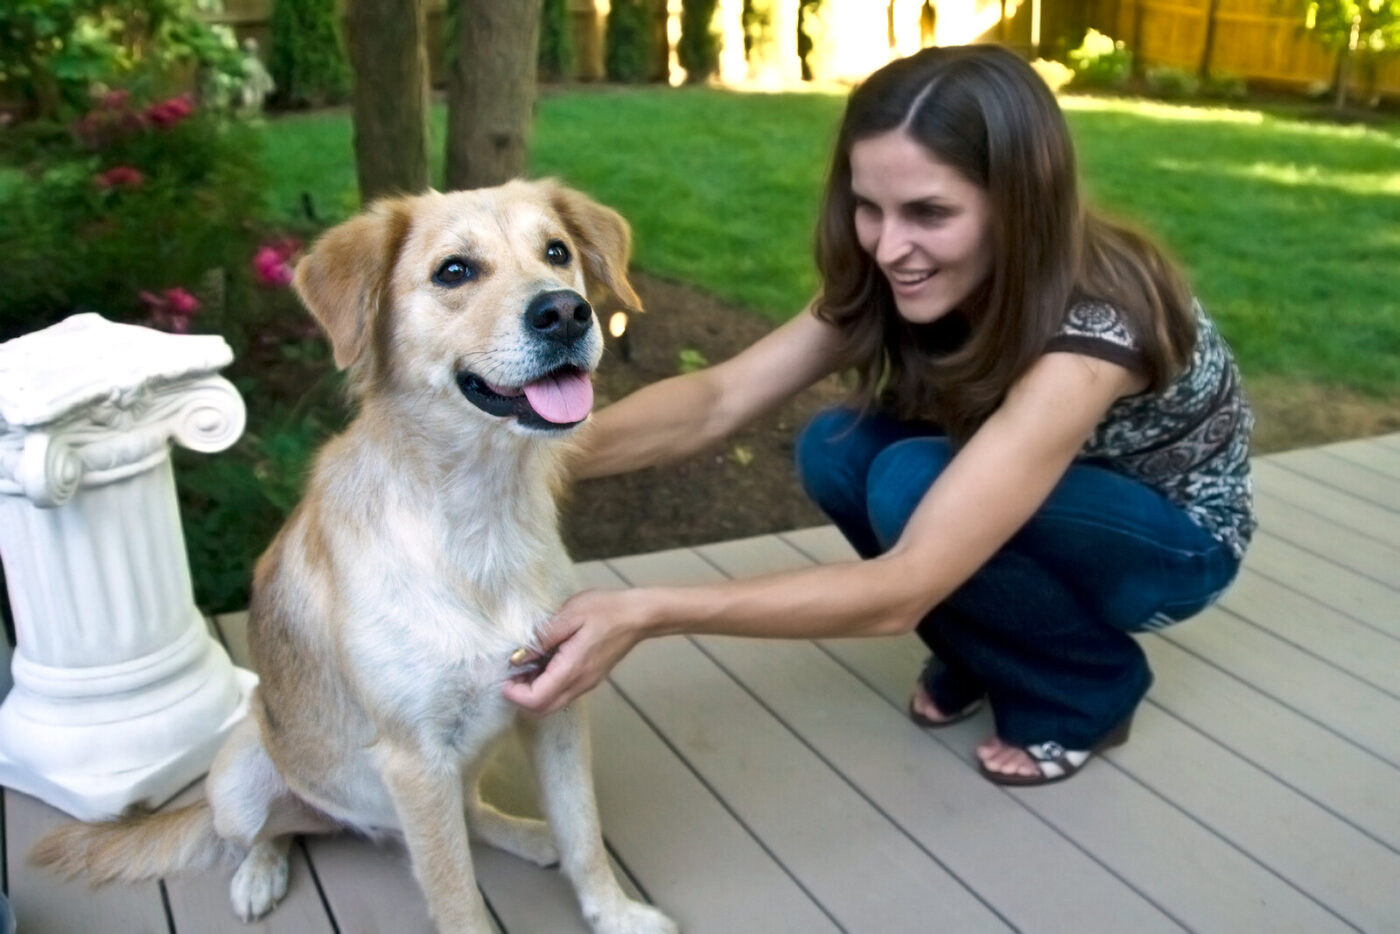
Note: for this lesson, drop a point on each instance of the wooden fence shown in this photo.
(1258, 40)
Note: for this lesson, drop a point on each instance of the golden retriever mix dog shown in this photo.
(426, 551)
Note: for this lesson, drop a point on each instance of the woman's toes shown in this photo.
(924, 706)
(1004, 759)
(989, 747)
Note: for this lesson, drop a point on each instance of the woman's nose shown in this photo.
(893, 243)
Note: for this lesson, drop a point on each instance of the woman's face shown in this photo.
(926, 225)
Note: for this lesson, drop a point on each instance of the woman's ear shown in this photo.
(344, 279)
(602, 237)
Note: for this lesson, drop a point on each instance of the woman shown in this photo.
(1049, 449)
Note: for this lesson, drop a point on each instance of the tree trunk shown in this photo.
(1345, 56)
(390, 99)
(1135, 43)
(1208, 43)
(491, 91)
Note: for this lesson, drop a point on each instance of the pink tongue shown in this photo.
(561, 398)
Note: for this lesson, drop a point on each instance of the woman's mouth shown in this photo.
(904, 281)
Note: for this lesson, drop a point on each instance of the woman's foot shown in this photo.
(924, 712)
(1040, 763)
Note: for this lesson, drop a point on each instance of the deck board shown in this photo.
(1341, 473)
(1366, 653)
(1341, 506)
(1381, 458)
(771, 786)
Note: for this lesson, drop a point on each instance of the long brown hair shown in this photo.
(984, 112)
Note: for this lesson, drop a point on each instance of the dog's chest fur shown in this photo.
(415, 576)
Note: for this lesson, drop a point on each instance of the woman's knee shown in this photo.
(898, 479)
(828, 456)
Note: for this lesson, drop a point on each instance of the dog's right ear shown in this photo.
(344, 280)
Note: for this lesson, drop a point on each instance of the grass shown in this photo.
(1290, 229)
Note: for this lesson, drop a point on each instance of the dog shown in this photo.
(387, 612)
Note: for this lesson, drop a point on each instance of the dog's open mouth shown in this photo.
(560, 399)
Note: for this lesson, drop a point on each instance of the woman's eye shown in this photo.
(865, 209)
(557, 253)
(928, 212)
(454, 271)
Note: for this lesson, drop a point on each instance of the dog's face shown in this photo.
(482, 295)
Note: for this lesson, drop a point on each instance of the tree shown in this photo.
(1353, 28)
(491, 85)
(770, 28)
(556, 41)
(699, 46)
(305, 58)
(631, 51)
(385, 40)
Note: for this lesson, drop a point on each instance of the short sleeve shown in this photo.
(1097, 329)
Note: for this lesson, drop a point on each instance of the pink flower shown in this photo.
(172, 310)
(98, 129)
(181, 302)
(114, 100)
(121, 176)
(170, 112)
(272, 263)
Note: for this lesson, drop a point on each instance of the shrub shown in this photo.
(307, 60)
(1056, 75)
(138, 212)
(1101, 62)
(1224, 87)
(53, 53)
(1172, 83)
(699, 46)
(556, 61)
(630, 53)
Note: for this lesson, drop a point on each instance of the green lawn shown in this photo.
(1290, 229)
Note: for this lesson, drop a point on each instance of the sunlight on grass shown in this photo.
(1161, 111)
(1295, 176)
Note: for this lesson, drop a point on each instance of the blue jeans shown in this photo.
(1042, 629)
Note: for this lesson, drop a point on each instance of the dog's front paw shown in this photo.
(635, 918)
(260, 882)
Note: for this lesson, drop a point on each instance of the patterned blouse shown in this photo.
(1190, 441)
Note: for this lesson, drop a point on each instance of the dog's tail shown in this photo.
(135, 847)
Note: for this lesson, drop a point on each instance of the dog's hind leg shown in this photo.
(255, 810)
(560, 751)
(520, 836)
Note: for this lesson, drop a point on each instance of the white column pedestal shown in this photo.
(120, 693)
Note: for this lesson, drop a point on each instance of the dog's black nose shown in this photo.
(562, 315)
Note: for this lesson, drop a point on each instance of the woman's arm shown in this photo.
(676, 417)
(989, 490)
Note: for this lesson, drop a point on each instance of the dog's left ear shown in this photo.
(604, 239)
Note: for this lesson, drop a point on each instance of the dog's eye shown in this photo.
(557, 253)
(454, 271)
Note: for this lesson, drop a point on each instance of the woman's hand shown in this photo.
(590, 634)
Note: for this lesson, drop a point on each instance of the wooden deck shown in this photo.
(770, 787)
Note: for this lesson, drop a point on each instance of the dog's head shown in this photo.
(480, 294)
